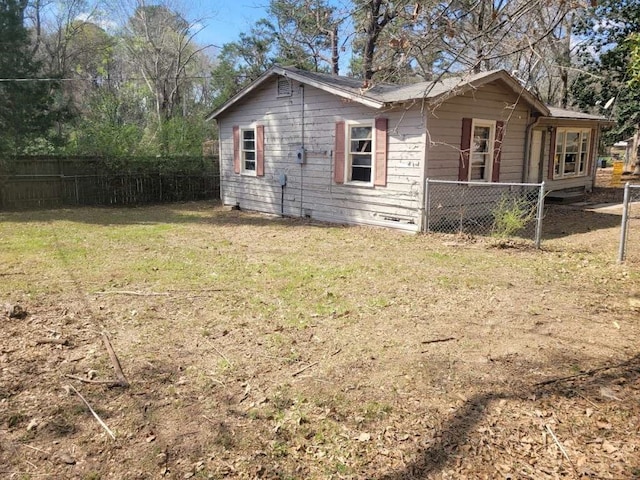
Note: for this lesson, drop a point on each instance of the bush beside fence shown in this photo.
(485, 208)
(48, 182)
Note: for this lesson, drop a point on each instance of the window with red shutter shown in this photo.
(381, 152)
(497, 151)
(465, 146)
(480, 147)
(360, 154)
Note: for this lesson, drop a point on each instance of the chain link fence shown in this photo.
(630, 228)
(504, 210)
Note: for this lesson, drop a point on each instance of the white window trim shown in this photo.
(577, 173)
(347, 151)
(243, 170)
(477, 122)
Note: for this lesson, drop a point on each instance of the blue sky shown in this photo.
(227, 19)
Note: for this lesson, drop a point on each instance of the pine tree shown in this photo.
(607, 83)
(24, 101)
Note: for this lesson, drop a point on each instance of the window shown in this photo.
(481, 154)
(571, 153)
(248, 151)
(481, 150)
(360, 152)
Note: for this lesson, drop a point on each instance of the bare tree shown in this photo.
(161, 47)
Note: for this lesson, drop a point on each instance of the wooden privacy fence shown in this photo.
(47, 182)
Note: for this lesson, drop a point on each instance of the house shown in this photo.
(313, 145)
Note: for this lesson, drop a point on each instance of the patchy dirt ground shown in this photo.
(269, 348)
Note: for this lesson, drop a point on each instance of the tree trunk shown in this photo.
(566, 60)
(372, 35)
(335, 55)
(477, 68)
(375, 24)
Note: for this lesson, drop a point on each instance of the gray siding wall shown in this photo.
(489, 102)
(310, 189)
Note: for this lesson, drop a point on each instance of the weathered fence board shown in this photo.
(49, 182)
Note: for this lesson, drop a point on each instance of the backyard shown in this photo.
(260, 347)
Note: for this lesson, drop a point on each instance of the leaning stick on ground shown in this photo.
(108, 383)
(121, 379)
(102, 424)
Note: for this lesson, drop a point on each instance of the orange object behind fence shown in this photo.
(618, 168)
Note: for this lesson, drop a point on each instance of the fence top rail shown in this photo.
(134, 174)
(487, 184)
(632, 185)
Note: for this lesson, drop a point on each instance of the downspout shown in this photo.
(423, 195)
(301, 145)
(527, 147)
(282, 198)
(219, 124)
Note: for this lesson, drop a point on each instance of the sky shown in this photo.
(228, 18)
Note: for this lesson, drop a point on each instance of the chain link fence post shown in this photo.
(427, 205)
(539, 215)
(625, 223)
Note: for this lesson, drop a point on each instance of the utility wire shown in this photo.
(102, 79)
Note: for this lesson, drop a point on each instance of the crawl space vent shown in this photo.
(284, 87)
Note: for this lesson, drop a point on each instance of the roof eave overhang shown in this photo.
(602, 122)
(349, 95)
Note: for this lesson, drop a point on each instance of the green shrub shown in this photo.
(512, 214)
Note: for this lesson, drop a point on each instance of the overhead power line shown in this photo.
(137, 79)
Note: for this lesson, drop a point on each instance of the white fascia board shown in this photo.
(369, 102)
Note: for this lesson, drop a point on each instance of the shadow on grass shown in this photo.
(565, 220)
(440, 454)
(559, 221)
(205, 213)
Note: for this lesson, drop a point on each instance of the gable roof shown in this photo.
(386, 94)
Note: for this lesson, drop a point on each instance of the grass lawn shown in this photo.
(259, 347)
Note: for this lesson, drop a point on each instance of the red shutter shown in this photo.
(592, 152)
(338, 154)
(552, 153)
(465, 146)
(497, 151)
(381, 152)
(236, 149)
(260, 150)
